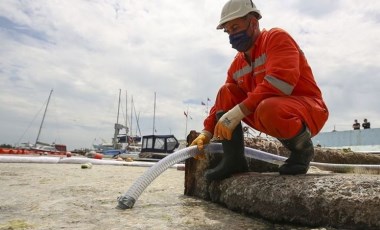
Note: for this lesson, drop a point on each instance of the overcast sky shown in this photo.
(87, 50)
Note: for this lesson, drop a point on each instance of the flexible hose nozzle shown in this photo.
(125, 202)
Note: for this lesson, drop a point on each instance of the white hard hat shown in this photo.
(236, 9)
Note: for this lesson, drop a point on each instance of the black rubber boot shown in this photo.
(302, 152)
(233, 160)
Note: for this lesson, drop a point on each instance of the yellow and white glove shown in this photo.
(228, 122)
(202, 139)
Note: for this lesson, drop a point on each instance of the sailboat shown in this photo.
(121, 143)
(128, 138)
(41, 147)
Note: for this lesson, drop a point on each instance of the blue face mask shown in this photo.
(241, 41)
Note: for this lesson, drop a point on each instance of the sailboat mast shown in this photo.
(117, 126)
(43, 118)
(126, 115)
(131, 122)
(154, 113)
(118, 108)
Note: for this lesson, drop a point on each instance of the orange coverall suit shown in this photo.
(277, 86)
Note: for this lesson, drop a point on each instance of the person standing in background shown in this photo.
(366, 124)
(356, 125)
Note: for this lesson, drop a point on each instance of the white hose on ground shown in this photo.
(127, 200)
(25, 159)
(75, 160)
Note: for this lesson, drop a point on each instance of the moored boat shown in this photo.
(156, 147)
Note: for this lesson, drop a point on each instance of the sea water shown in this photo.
(65, 196)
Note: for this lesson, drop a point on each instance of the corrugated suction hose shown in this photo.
(127, 200)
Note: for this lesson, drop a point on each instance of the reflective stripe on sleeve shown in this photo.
(284, 87)
(241, 72)
(259, 61)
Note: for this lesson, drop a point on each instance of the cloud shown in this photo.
(87, 50)
(317, 9)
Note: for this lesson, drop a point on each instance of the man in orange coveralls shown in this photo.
(270, 86)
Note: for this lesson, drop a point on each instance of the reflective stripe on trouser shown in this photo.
(280, 117)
